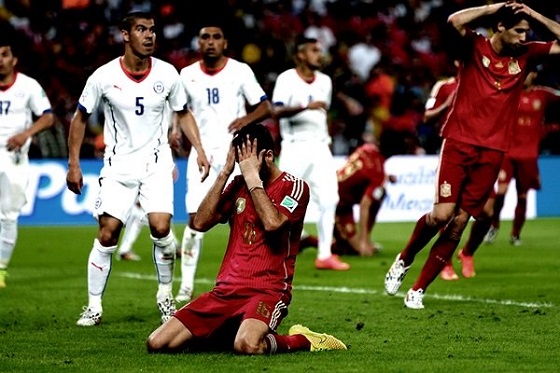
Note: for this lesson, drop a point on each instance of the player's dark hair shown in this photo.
(254, 131)
(130, 19)
(301, 41)
(8, 37)
(507, 17)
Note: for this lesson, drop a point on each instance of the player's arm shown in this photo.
(364, 225)
(550, 24)
(249, 164)
(434, 112)
(459, 20)
(188, 124)
(209, 212)
(281, 111)
(74, 180)
(43, 122)
(261, 111)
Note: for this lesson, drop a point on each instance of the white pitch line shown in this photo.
(347, 290)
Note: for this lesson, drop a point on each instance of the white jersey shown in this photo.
(17, 104)
(136, 123)
(291, 90)
(218, 99)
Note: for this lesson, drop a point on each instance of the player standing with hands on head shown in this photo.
(476, 133)
(218, 89)
(138, 162)
(301, 97)
(21, 98)
(265, 208)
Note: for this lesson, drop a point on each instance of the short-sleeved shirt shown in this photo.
(362, 174)
(255, 259)
(217, 98)
(291, 90)
(528, 129)
(488, 93)
(136, 123)
(18, 102)
(439, 94)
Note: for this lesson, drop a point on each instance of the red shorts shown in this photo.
(209, 312)
(525, 172)
(466, 175)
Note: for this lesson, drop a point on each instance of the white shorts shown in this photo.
(196, 191)
(313, 162)
(14, 177)
(151, 183)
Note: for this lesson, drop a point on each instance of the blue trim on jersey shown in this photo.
(116, 130)
(264, 98)
(48, 111)
(82, 108)
(278, 103)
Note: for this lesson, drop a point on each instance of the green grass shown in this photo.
(506, 319)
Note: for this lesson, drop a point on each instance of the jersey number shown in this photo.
(213, 95)
(4, 107)
(139, 106)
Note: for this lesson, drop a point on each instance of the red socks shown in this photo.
(277, 344)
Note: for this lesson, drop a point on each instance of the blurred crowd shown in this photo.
(383, 55)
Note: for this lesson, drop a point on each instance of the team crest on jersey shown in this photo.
(537, 105)
(158, 87)
(485, 61)
(513, 67)
(289, 203)
(445, 190)
(97, 203)
(240, 205)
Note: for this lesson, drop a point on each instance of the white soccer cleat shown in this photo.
(89, 317)
(395, 276)
(184, 295)
(515, 241)
(166, 307)
(491, 235)
(413, 299)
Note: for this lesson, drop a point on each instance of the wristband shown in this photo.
(257, 186)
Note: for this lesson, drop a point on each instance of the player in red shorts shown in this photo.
(476, 133)
(521, 161)
(265, 209)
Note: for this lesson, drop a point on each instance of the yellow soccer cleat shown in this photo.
(319, 341)
(3, 275)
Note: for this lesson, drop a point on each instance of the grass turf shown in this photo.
(505, 319)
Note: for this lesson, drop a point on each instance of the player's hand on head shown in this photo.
(248, 158)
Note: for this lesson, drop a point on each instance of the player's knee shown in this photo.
(154, 345)
(160, 229)
(107, 237)
(439, 217)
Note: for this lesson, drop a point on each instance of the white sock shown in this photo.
(164, 259)
(325, 228)
(8, 238)
(190, 252)
(98, 268)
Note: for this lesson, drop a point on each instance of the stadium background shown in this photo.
(383, 55)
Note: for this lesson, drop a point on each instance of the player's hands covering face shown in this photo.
(249, 160)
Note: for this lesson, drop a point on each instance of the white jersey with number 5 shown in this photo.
(218, 98)
(136, 125)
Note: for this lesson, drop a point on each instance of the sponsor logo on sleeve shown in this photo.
(289, 203)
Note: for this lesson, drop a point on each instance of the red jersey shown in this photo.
(254, 258)
(528, 130)
(439, 94)
(362, 173)
(485, 108)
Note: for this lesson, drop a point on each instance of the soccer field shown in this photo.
(505, 319)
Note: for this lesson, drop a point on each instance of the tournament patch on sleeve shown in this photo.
(289, 203)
